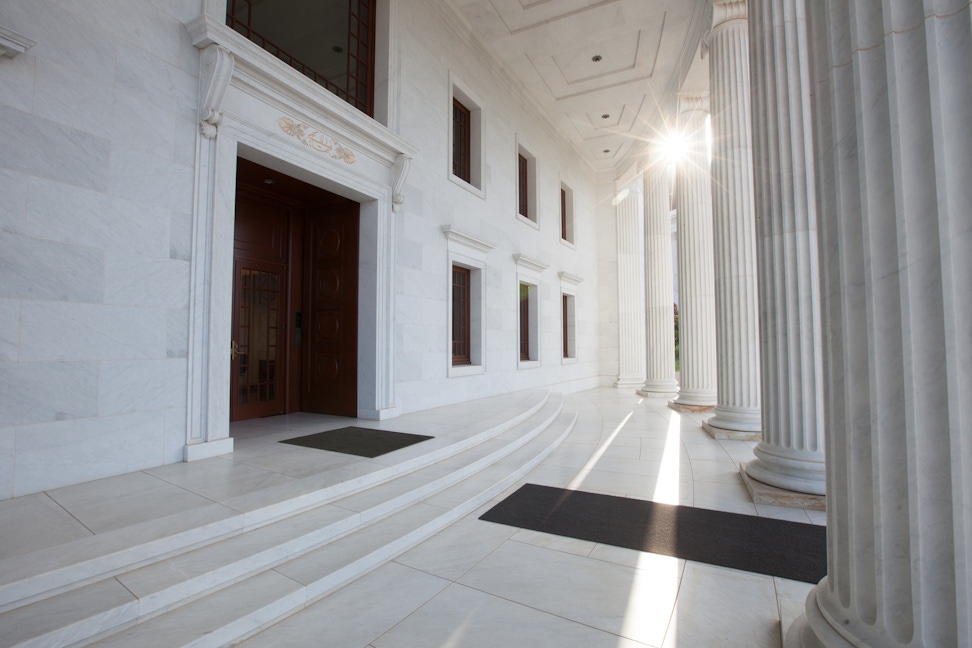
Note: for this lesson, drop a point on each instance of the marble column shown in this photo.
(696, 280)
(659, 293)
(892, 107)
(737, 412)
(790, 455)
(630, 208)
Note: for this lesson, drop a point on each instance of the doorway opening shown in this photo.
(295, 297)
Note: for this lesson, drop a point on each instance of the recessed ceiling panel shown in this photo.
(598, 59)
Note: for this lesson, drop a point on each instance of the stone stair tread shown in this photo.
(23, 578)
(220, 618)
(335, 543)
(166, 583)
(61, 620)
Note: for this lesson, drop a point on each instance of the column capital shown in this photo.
(693, 101)
(725, 11)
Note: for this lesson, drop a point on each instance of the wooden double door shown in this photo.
(295, 298)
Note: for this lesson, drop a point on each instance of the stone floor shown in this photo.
(477, 583)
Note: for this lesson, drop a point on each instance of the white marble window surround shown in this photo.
(569, 287)
(529, 271)
(13, 44)
(260, 73)
(477, 154)
(468, 251)
(533, 204)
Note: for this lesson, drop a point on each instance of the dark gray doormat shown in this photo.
(363, 442)
(755, 544)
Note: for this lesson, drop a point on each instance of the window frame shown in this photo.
(461, 141)
(567, 226)
(463, 305)
(526, 186)
(458, 91)
(528, 273)
(349, 93)
(469, 252)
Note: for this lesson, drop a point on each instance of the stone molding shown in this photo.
(13, 44)
(462, 238)
(524, 261)
(215, 72)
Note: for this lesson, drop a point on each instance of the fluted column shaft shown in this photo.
(737, 413)
(630, 210)
(791, 452)
(893, 140)
(696, 280)
(659, 292)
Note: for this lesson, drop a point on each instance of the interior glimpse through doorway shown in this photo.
(295, 297)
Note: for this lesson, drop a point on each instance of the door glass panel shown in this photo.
(260, 301)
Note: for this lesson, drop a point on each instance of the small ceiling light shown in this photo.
(337, 49)
(606, 151)
(596, 58)
(605, 116)
(269, 181)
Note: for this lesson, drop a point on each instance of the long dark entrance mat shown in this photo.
(363, 442)
(756, 544)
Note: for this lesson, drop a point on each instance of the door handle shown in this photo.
(235, 350)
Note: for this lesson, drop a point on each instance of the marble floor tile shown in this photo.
(625, 601)
(35, 522)
(121, 501)
(817, 517)
(357, 614)
(219, 478)
(731, 498)
(555, 542)
(457, 549)
(461, 617)
(720, 472)
(783, 513)
(724, 607)
(293, 461)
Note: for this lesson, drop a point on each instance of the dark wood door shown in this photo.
(261, 304)
(259, 366)
(330, 379)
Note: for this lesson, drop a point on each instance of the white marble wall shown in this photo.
(97, 152)
(96, 147)
(436, 46)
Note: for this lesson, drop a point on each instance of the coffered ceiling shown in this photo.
(605, 71)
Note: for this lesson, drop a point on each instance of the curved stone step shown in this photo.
(141, 594)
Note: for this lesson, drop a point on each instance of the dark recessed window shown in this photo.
(563, 214)
(524, 321)
(461, 141)
(332, 42)
(565, 318)
(523, 187)
(461, 337)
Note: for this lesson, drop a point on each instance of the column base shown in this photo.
(762, 493)
(726, 434)
(654, 394)
(659, 389)
(788, 469)
(682, 407)
(812, 630)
